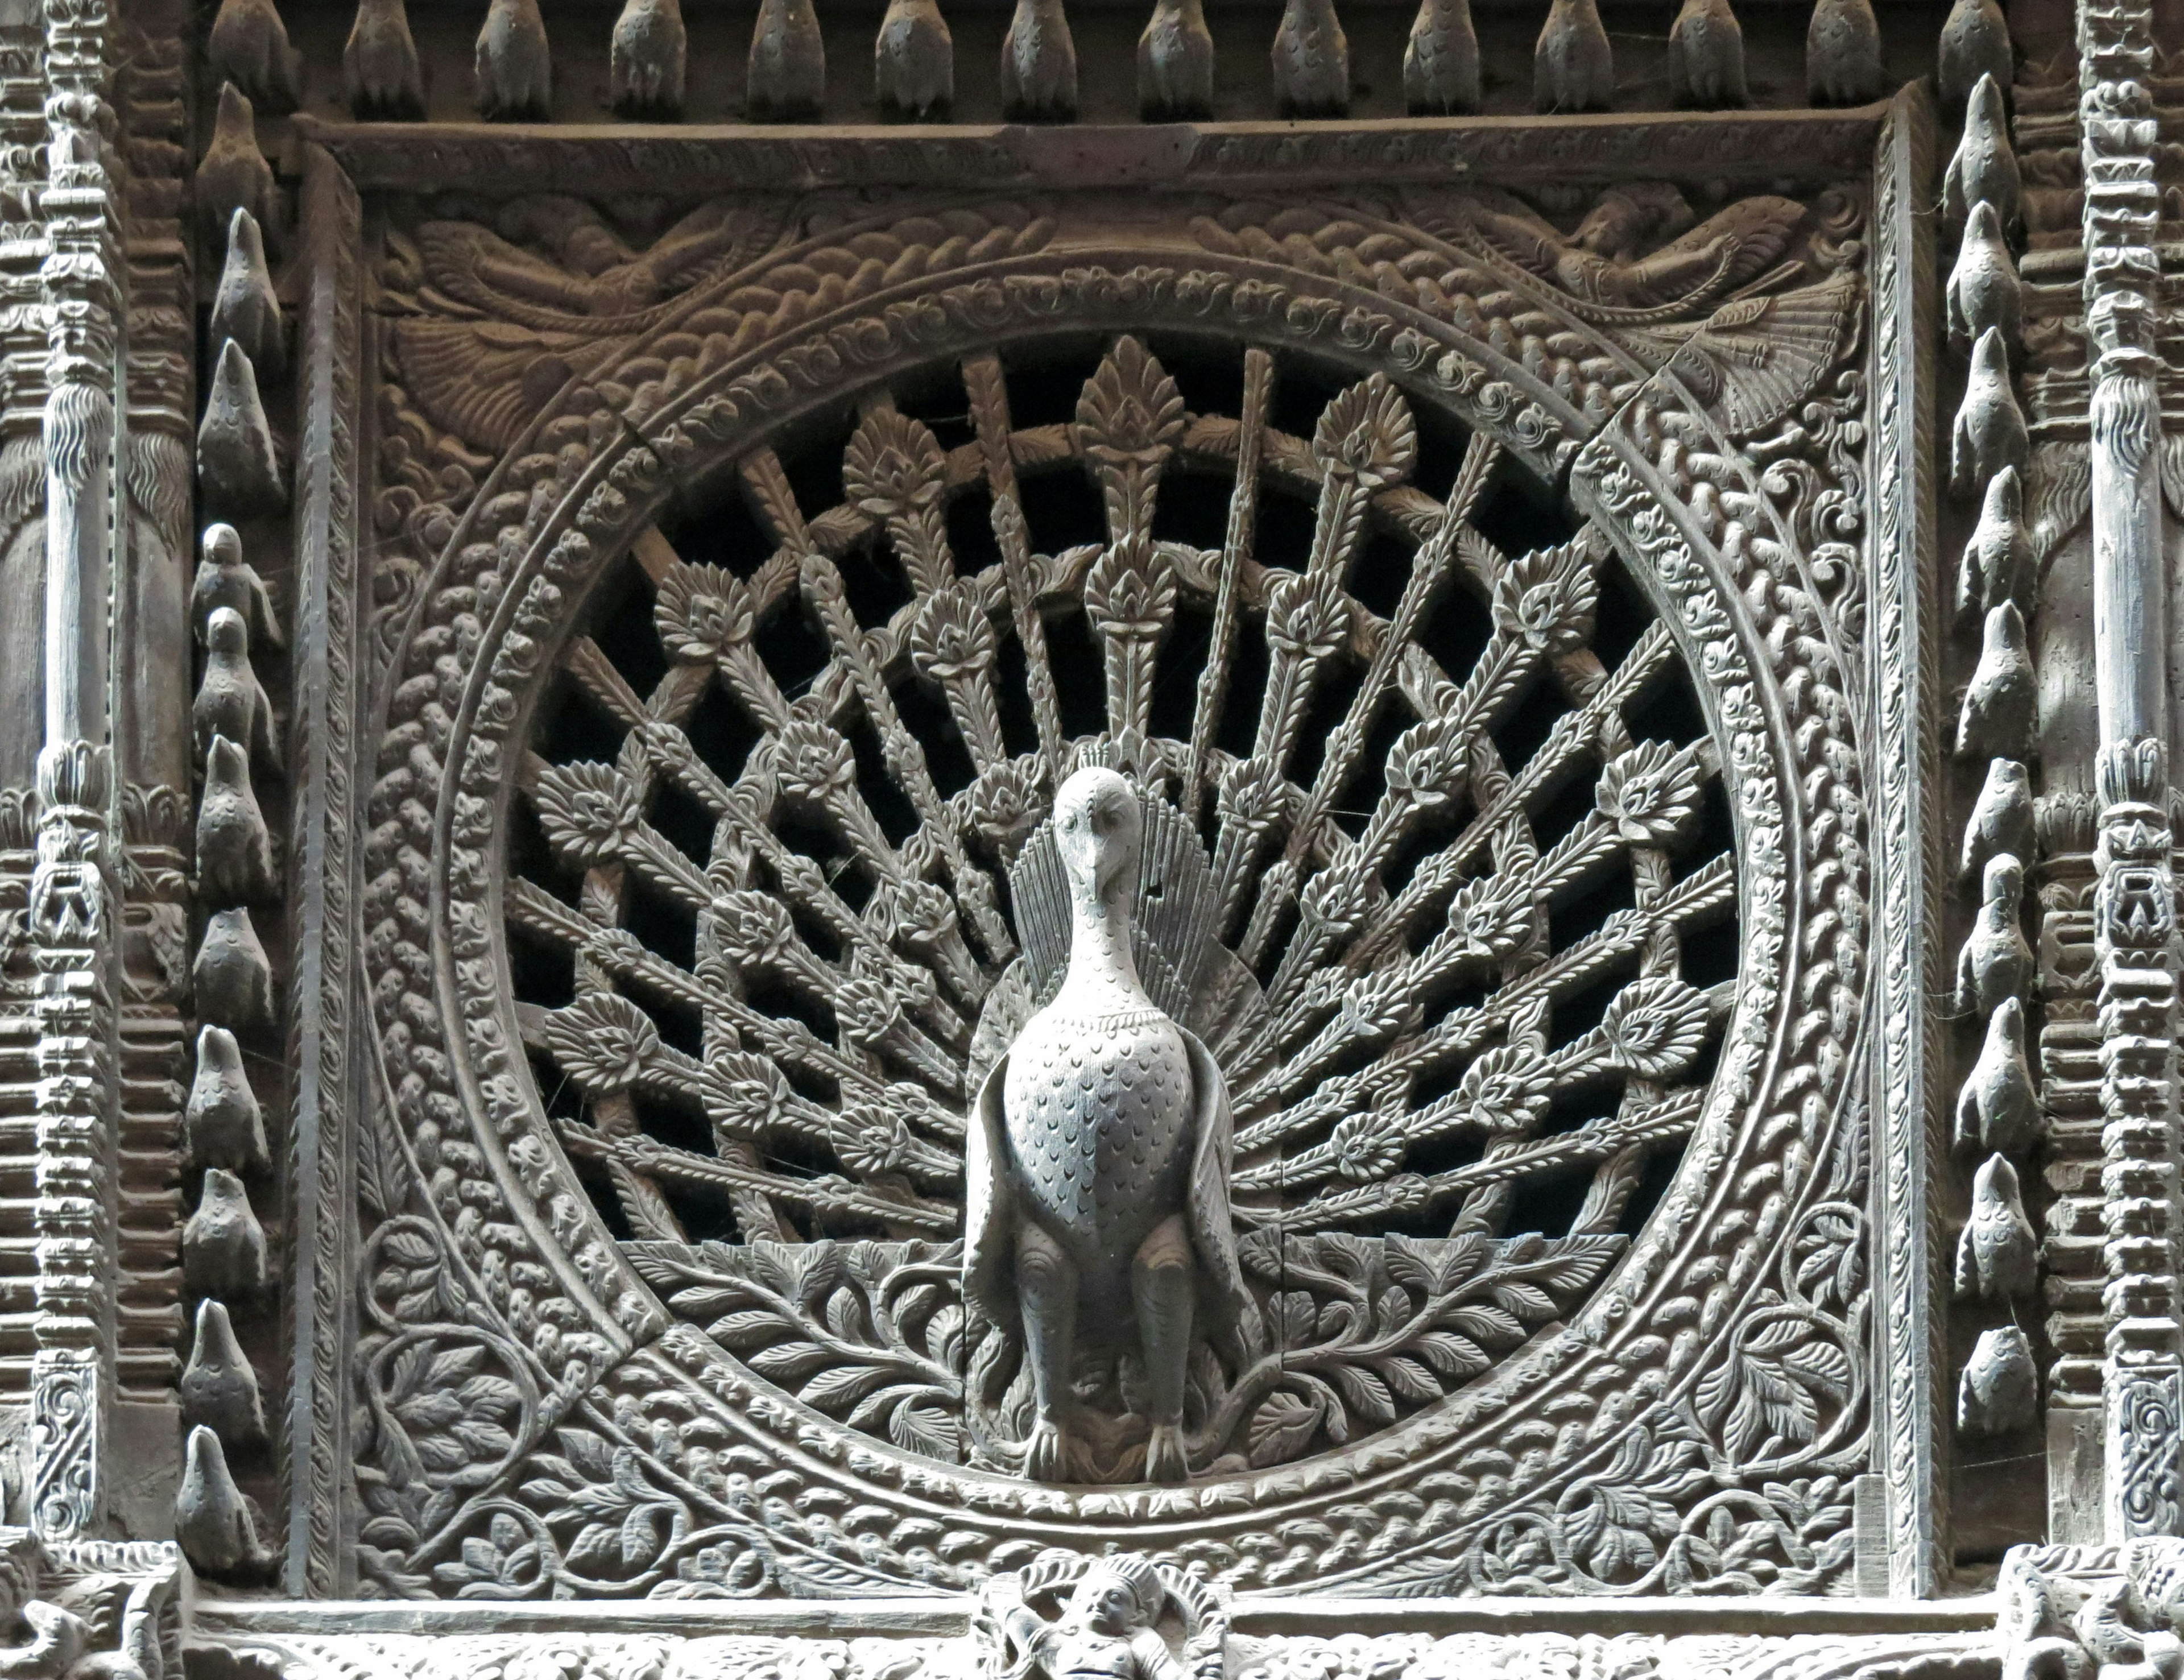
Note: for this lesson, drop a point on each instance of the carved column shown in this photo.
(75, 898)
(2135, 904)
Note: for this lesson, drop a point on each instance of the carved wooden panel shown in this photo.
(1473, 584)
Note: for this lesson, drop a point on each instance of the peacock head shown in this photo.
(1098, 823)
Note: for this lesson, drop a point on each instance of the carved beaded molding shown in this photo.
(1696, 1424)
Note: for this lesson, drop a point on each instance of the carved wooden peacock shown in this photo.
(799, 890)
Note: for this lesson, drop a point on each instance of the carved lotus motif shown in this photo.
(815, 762)
(1548, 599)
(1429, 761)
(1490, 919)
(744, 1095)
(917, 912)
(753, 928)
(1306, 619)
(869, 1010)
(1252, 795)
(1131, 412)
(602, 1042)
(1655, 1027)
(1504, 1090)
(871, 1139)
(702, 611)
(1369, 1144)
(950, 637)
(892, 463)
(1651, 794)
(1006, 802)
(1368, 432)
(587, 810)
(1131, 592)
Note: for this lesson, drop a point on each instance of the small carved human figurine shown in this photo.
(1106, 1632)
(1098, 1159)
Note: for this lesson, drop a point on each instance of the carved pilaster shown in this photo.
(74, 895)
(2135, 904)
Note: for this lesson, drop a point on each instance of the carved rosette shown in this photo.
(1695, 1422)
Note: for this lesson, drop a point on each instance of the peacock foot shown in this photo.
(1046, 1452)
(1165, 1460)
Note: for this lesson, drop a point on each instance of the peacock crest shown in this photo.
(1434, 864)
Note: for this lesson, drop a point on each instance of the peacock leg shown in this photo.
(1046, 1285)
(1163, 1278)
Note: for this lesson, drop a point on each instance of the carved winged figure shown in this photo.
(1641, 246)
(1097, 1171)
(515, 309)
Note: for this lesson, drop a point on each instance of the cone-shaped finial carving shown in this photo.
(223, 1244)
(212, 1519)
(249, 46)
(232, 980)
(233, 174)
(515, 64)
(219, 1389)
(245, 308)
(1573, 69)
(1998, 1255)
(1990, 433)
(1039, 65)
(1842, 54)
(234, 852)
(1311, 61)
(1441, 60)
(2001, 819)
(646, 59)
(380, 74)
(1984, 165)
(1175, 63)
(787, 75)
(1706, 57)
(1996, 720)
(238, 466)
(1997, 562)
(1999, 1392)
(1984, 289)
(222, 1125)
(225, 579)
(1996, 964)
(1999, 1109)
(914, 62)
(1974, 43)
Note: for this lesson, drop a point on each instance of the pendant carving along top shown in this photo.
(1459, 870)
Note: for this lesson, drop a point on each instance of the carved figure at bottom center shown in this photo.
(1098, 1159)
